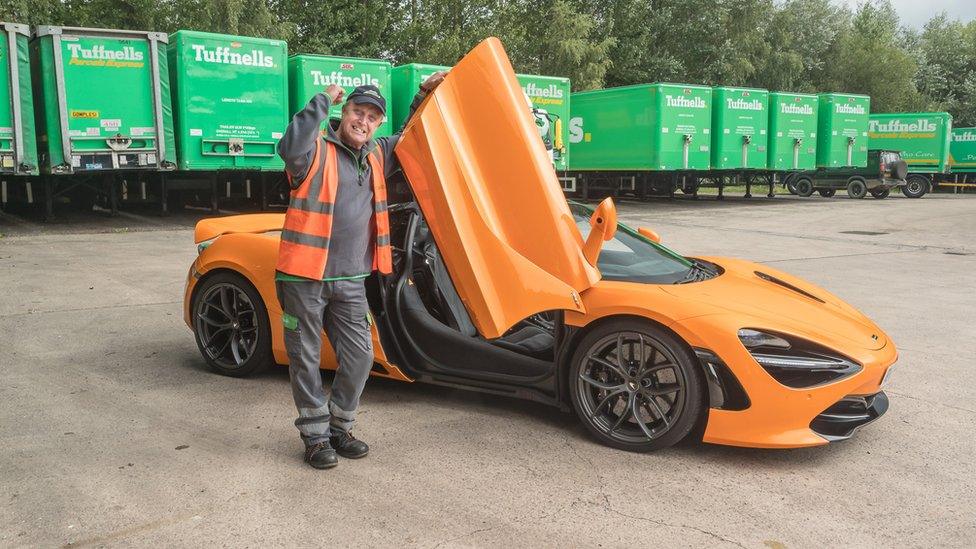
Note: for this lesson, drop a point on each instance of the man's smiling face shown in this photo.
(358, 124)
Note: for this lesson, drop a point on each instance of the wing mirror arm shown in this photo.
(649, 234)
(603, 225)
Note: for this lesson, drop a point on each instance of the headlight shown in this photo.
(755, 338)
(795, 362)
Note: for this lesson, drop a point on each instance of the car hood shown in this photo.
(783, 301)
(488, 190)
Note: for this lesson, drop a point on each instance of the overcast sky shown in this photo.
(915, 13)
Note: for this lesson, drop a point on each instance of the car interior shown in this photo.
(424, 309)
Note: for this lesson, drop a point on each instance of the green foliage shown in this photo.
(795, 45)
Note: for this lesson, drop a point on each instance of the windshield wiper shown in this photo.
(696, 273)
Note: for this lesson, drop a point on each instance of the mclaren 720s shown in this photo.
(502, 286)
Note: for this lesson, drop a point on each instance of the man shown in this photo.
(336, 233)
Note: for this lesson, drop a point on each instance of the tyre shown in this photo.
(880, 193)
(790, 183)
(916, 186)
(856, 188)
(827, 193)
(690, 185)
(635, 386)
(804, 187)
(230, 324)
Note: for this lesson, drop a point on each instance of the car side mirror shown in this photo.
(649, 234)
(604, 226)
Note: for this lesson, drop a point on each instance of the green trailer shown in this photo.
(311, 74)
(231, 97)
(740, 119)
(962, 150)
(18, 148)
(646, 127)
(549, 96)
(842, 130)
(922, 138)
(406, 80)
(792, 131)
(102, 100)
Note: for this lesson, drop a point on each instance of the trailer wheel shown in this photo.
(790, 183)
(916, 186)
(804, 187)
(827, 193)
(880, 193)
(856, 188)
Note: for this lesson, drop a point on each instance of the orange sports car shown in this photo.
(502, 286)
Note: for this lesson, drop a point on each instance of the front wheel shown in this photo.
(880, 193)
(916, 186)
(635, 386)
(230, 323)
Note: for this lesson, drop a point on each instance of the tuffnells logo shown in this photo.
(923, 125)
(100, 53)
(965, 136)
(786, 108)
(684, 102)
(551, 90)
(224, 55)
(336, 77)
(741, 105)
(841, 108)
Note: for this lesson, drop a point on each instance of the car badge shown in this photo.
(874, 337)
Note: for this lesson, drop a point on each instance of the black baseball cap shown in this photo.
(368, 94)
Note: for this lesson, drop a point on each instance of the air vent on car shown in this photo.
(787, 285)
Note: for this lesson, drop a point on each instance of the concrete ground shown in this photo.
(115, 433)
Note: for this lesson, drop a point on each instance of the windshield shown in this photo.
(630, 257)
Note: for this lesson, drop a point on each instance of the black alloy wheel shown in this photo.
(804, 187)
(916, 186)
(880, 193)
(635, 386)
(827, 193)
(856, 188)
(231, 325)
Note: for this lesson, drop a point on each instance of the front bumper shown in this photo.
(848, 415)
(770, 414)
(884, 183)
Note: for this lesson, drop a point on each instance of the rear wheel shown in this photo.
(804, 186)
(231, 325)
(827, 193)
(880, 193)
(635, 386)
(856, 188)
(790, 183)
(916, 186)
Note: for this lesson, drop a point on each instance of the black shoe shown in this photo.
(347, 446)
(321, 456)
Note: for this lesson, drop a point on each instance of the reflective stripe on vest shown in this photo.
(304, 247)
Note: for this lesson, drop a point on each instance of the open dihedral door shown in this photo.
(491, 197)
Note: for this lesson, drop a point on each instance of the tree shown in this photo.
(800, 34)
(557, 39)
(341, 27)
(869, 58)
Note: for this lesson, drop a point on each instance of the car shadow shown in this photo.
(389, 392)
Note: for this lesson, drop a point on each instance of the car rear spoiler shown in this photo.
(208, 229)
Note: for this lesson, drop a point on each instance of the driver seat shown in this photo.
(525, 339)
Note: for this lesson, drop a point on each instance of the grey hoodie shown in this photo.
(353, 225)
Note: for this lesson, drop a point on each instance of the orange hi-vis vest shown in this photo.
(304, 247)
